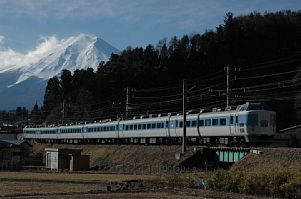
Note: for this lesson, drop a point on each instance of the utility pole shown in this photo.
(63, 111)
(127, 103)
(184, 120)
(228, 84)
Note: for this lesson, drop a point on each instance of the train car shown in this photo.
(250, 122)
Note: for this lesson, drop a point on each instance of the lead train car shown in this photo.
(248, 123)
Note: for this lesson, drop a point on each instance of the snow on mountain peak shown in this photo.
(52, 55)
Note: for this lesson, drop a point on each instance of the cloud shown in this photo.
(11, 59)
(2, 39)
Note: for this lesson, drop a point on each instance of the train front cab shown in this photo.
(261, 122)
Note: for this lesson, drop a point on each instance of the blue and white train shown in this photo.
(249, 122)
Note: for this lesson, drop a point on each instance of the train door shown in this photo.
(233, 123)
(85, 132)
(200, 125)
(58, 131)
(118, 129)
(167, 127)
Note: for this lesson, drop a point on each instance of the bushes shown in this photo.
(285, 184)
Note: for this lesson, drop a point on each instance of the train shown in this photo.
(247, 123)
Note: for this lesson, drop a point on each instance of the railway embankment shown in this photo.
(124, 158)
(131, 158)
(275, 172)
(271, 159)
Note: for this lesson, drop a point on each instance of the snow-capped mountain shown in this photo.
(23, 77)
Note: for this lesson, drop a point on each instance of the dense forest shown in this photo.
(261, 50)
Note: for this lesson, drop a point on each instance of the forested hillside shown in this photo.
(262, 51)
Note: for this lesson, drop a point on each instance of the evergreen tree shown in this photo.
(36, 114)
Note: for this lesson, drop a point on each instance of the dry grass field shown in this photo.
(27, 187)
(77, 177)
(34, 184)
(77, 185)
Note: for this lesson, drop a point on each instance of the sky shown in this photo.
(24, 24)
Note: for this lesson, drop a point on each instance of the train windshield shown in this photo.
(254, 107)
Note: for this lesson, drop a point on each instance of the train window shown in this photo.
(231, 119)
(167, 124)
(193, 123)
(144, 126)
(201, 122)
(177, 123)
(273, 120)
(236, 119)
(161, 125)
(222, 121)
(208, 122)
(244, 108)
(214, 122)
(112, 128)
(158, 125)
(139, 126)
(149, 126)
(254, 107)
(188, 123)
(131, 127)
(181, 123)
(126, 127)
(153, 125)
(264, 123)
(135, 126)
